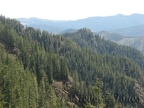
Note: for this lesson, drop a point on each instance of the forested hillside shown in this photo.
(71, 70)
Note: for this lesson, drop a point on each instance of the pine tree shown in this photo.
(64, 69)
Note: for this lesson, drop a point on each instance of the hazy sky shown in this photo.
(69, 9)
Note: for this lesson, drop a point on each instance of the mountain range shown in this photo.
(74, 69)
(123, 24)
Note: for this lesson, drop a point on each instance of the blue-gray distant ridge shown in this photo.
(96, 24)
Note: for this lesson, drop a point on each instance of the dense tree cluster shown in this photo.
(32, 60)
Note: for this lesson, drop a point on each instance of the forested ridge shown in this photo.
(43, 70)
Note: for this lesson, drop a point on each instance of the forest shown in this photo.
(39, 69)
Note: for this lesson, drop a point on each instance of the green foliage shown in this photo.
(15, 87)
(32, 60)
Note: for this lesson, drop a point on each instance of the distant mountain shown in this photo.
(131, 31)
(110, 36)
(69, 31)
(96, 24)
(43, 24)
(135, 42)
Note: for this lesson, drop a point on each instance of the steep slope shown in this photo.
(86, 39)
(134, 42)
(26, 70)
(70, 70)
